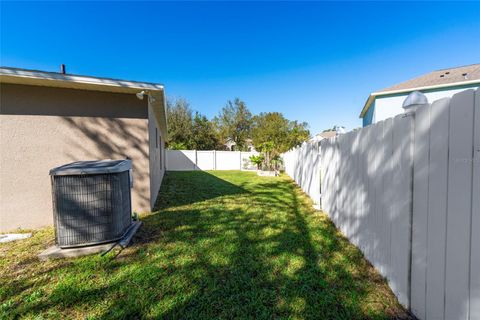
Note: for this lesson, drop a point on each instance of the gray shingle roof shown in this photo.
(328, 134)
(440, 77)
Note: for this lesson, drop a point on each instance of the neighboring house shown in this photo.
(323, 135)
(49, 119)
(439, 84)
(231, 145)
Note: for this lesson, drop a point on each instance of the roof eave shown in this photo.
(19, 76)
(369, 101)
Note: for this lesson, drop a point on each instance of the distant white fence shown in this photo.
(185, 160)
(406, 191)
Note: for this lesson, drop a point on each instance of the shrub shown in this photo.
(257, 160)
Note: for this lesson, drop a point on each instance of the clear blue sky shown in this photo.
(314, 62)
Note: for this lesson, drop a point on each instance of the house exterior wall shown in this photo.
(368, 118)
(385, 107)
(157, 157)
(44, 127)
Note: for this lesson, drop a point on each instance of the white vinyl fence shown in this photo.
(406, 191)
(185, 160)
(303, 165)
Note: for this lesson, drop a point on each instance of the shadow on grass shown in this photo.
(188, 187)
(227, 245)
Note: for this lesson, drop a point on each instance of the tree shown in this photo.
(270, 131)
(204, 136)
(298, 133)
(234, 122)
(177, 146)
(273, 134)
(179, 117)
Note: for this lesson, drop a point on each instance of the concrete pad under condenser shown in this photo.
(55, 252)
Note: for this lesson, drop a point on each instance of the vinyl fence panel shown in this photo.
(231, 160)
(179, 160)
(437, 211)
(388, 196)
(459, 208)
(406, 191)
(401, 213)
(303, 165)
(475, 237)
(420, 209)
(186, 160)
(206, 160)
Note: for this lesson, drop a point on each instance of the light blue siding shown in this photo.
(368, 118)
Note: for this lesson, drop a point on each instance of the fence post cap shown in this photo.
(413, 100)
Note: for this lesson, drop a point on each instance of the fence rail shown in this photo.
(185, 160)
(406, 191)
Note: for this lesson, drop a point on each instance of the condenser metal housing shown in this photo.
(91, 202)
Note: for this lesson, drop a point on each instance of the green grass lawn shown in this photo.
(224, 244)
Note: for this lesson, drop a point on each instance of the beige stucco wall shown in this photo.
(157, 157)
(34, 139)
